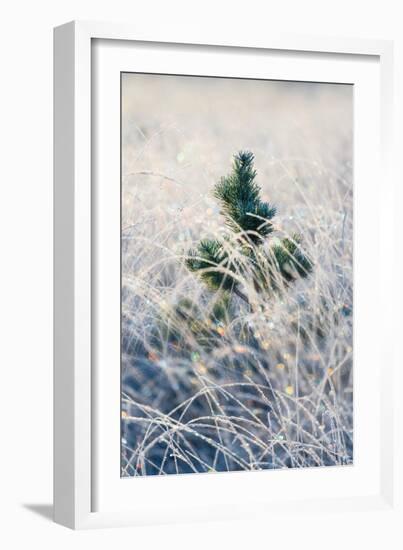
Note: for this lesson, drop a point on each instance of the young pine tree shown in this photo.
(223, 265)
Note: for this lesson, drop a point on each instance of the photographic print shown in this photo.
(236, 274)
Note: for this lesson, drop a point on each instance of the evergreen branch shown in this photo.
(239, 196)
(250, 219)
(290, 260)
(208, 255)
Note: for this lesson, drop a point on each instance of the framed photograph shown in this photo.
(222, 289)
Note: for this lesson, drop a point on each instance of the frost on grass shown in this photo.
(235, 378)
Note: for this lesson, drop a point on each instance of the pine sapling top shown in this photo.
(224, 265)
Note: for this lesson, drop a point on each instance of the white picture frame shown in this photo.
(88, 491)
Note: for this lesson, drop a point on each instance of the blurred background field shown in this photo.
(281, 396)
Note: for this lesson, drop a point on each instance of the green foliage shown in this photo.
(250, 220)
(239, 196)
(213, 264)
(289, 259)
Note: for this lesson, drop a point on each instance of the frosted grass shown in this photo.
(271, 384)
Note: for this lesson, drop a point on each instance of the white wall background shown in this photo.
(26, 263)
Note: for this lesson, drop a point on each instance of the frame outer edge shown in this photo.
(72, 248)
(82, 277)
(63, 335)
(388, 401)
(72, 275)
(206, 37)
